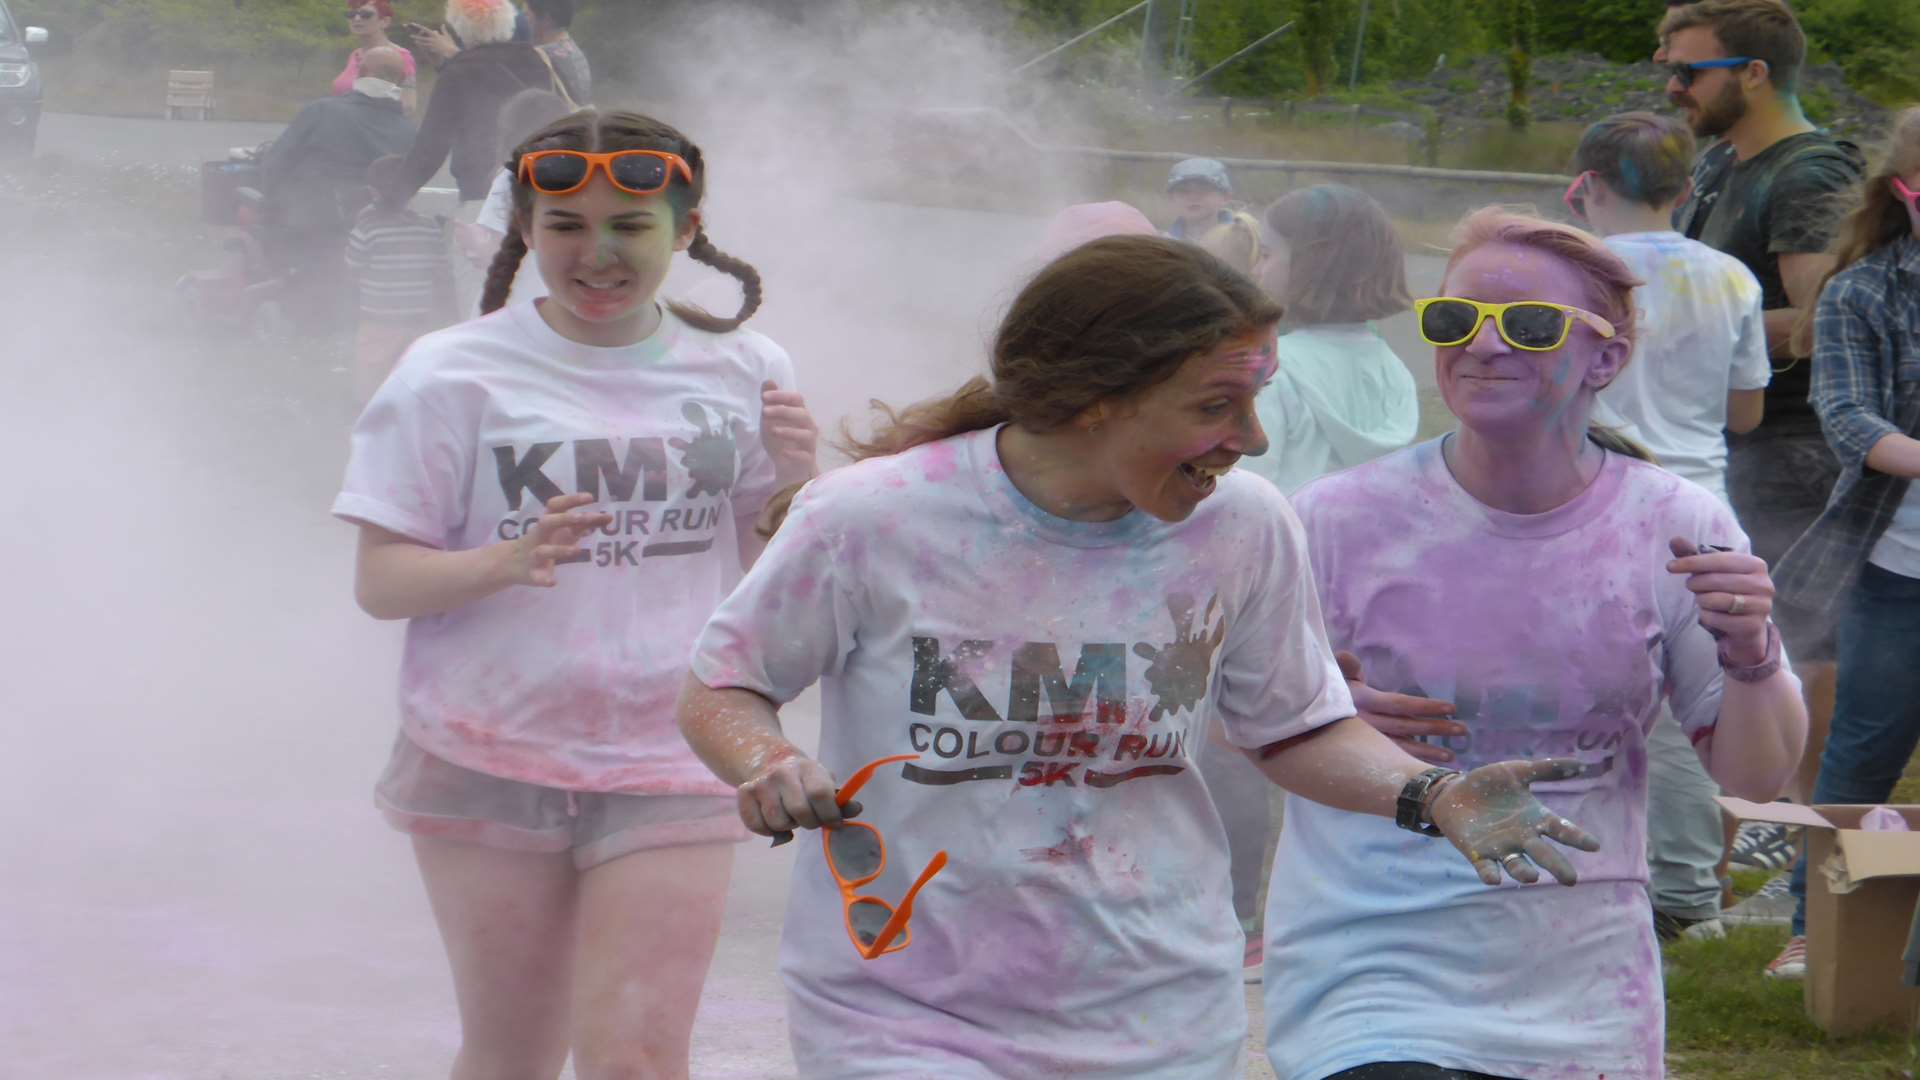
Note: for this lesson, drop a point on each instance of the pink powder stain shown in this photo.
(940, 461)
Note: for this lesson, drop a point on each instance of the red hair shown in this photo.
(380, 7)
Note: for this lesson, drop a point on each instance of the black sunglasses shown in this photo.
(1684, 73)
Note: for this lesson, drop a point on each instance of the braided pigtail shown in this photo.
(500, 274)
(702, 250)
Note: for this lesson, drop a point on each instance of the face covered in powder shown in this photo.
(604, 253)
(1162, 449)
(1492, 386)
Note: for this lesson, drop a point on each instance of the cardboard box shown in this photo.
(1861, 891)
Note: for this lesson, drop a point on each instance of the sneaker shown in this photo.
(1791, 964)
(1674, 927)
(1252, 965)
(1772, 906)
(1762, 845)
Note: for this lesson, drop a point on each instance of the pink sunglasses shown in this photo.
(1907, 195)
(1575, 200)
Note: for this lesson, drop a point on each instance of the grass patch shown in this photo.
(1727, 1022)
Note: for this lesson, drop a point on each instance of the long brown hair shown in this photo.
(1105, 321)
(594, 130)
(1879, 219)
(1347, 264)
(1610, 282)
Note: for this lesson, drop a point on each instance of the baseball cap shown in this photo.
(1203, 169)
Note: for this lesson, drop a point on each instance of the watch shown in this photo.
(1762, 670)
(1410, 810)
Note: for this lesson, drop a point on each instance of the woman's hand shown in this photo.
(788, 432)
(1491, 815)
(1735, 595)
(552, 540)
(791, 791)
(437, 44)
(1402, 717)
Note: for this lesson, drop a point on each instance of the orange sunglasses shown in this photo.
(636, 172)
(856, 855)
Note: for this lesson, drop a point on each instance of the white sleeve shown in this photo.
(1278, 677)
(409, 470)
(791, 620)
(497, 212)
(756, 486)
(1751, 368)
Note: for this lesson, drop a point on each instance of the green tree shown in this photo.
(1517, 24)
(1316, 26)
(1624, 31)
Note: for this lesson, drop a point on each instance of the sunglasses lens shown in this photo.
(559, 172)
(855, 851)
(868, 917)
(1534, 326)
(639, 172)
(1448, 322)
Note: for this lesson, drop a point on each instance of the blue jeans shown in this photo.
(1876, 712)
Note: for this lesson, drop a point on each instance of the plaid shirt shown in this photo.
(1866, 386)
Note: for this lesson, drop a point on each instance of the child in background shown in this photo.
(1340, 397)
(1201, 194)
(574, 851)
(1700, 369)
(403, 276)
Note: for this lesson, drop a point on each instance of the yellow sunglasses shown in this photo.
(1528, 325)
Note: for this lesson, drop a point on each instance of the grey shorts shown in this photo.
(423, 795)
(1778, 485)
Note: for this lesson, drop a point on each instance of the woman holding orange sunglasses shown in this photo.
(1027, 604)
(1554, 588)
(556, 496)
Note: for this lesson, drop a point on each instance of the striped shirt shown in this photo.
(1866, 386)
(402, 262)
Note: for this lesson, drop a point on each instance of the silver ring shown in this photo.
(1508, 861)
(1738, 603)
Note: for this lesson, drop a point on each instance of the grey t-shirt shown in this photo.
(1785, 200)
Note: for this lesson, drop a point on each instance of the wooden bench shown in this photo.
(190, 90)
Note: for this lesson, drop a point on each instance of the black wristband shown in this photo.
(1409, 810)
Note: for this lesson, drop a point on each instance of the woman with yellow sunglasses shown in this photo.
(1554, 588)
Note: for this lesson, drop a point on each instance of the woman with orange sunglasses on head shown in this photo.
(556, 495)
(1027, 603)
(1554, 587)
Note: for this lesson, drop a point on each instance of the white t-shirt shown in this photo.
(480, 424)
(496, 213)
(1700, 335)
(1898, 549)
(1340, 396)
(1555, 634)
(1057, 679)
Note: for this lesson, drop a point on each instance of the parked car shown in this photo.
(20, 88)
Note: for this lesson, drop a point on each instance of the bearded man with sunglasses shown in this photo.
(1770, 193)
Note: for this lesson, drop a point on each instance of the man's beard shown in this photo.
(1717, 117)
